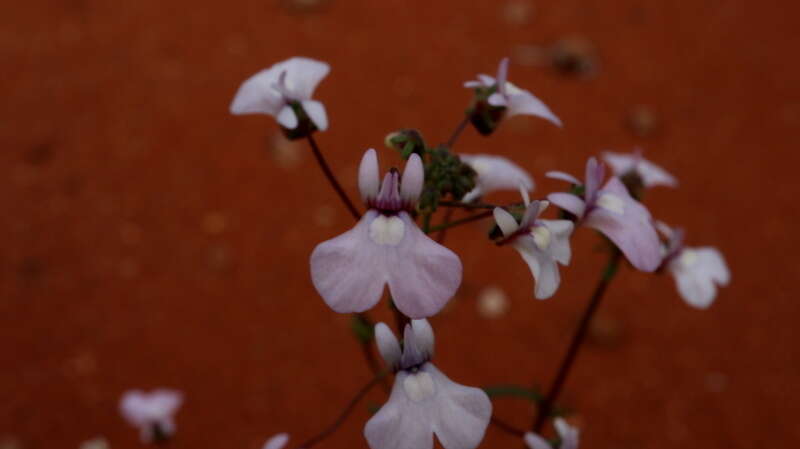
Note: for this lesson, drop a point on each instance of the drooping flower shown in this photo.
(543, 244)
(151, 412)
(277, 441)
(633, 164)
(612, 211)
(424, 402)
(569, 436)
(386, 247)
(697, 271)
(284, 92)
(498, 97)
(495, 173)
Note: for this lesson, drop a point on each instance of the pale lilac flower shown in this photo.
(516, 101)
(386, 247)
(569, 436)
(543, 244)
(612, 211)
(494, 173)
(650, 174)
(151, 412)
(697, 271)
(424, 402)
(274, 91)
(277, 442)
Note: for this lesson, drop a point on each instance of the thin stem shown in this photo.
(448, 215)
(347, 410)
(332, 178)
(506, 427)
(457, 132)
(461, 221)
(577, 340)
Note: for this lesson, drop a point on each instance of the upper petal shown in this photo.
(257, 96)
(595, 172)
(524, 102)
(400, 423)
(542, 265)
(505, 221)
(568, 202)
(628, 225)
(349, 271)
(460, 414)
(570, 436)
(387, 343)
(696, 270)
(534, 441)
(303, 75)
(287, 118)
(497, 99)
(277, 442)
(413, 179)
(555, 174)
(502, 75)
(369, 179)
(652, 175)
(316, 113)
(423, 274)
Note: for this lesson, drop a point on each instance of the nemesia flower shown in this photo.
(151, 412)
(612, 211)
(568, 435)
(277, 442)
(541, 243)
(494, 173)
(516, 101)
(697, 271)
(386, 247)
(282, 90)
(650, 174)
(424, 402)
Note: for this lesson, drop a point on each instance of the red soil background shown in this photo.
(152, 239)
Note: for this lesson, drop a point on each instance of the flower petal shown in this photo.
(316, 113)
(560, 175)
(460, 414)
(502, 75)
(349, 271)
(696, 270)
(488, 81)
(387, 343)
(568, 202)
(257, 96)
(595, 172)
(534, 441)
(287, 118)
(570, 436)
(652, 175)
(560, 232)
(369, 179)
(628, 225)
(413, 179)
(496, 173)
(423, 333)
(542, 265)
(423, 275)
(400, 423)
(277, 442)
(303, 75)
(524, 102)
(472, 84)
(497, 100)
(505, 221)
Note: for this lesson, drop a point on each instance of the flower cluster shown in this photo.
(389, 249)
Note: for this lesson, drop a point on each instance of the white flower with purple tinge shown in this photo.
(424, 402)
(697, 271)
(543, 244)
(276, 90)
(386, 247)
(612, 211)
(277, 441)
(516, 101)
(650, 174)
(494, 173)
(569, 436)
(151, 412)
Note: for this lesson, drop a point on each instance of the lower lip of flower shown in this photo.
(387, 230)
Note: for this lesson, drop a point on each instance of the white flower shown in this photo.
(277, 442)
(517, 101)
(151, 412)
(697, 271)
(495, 173)
(569, 436)
(543, 244)
(275, 90)
(424, 402)
(651, 174)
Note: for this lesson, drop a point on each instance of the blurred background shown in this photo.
(151, 239)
